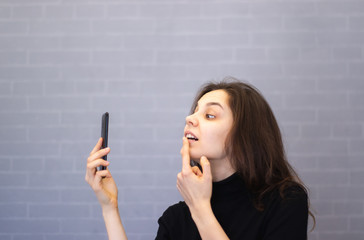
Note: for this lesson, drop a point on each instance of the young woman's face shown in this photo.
(208, 127)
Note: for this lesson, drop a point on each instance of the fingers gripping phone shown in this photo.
(104, 135)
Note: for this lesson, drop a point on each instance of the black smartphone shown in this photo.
(104, 135)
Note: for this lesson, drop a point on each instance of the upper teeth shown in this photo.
(189, 135)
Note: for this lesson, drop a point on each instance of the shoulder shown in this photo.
(290, 194)
(175, 213)
(287, 213)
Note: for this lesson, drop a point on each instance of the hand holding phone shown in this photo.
(104, 135)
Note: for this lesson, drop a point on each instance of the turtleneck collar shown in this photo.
(230, 187)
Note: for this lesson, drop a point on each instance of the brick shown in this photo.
(28, 237)
(34, 149)
(325, 177)
(250, 55)
(5, 12)
(90, 72)
(316, 54)
(118, 57)
(251, 70)
(319, 147)
(58, 211)
(92, 41)
(122, 10)
(256, 24)
(283, 54)
(82, 226)
(13, 27)
(153, 148)
(9, 104)
(28, 195)
(343, 84)
(160, 72)
(356, 100)
(350, 207)
(282, 8)
(283, 39)
(183, 26)
(70, 180)
(91, 11)
(196, 56)
(58, 103)
(315, 131)
(356, 223)
(29, 226)
(59, 11)
(152, 41)
(294, 115)
(340, 39)
(5, 164)
(136, 210)
(316, 100)
(13, 58)
(123, 26)
(346, 53)
(11, 210)
(58, 57)
(149, 226)
(340, 115)
(78, 195)
(356, 22)
(28, 164)
(9, 134)
(357, 177)
(312, 23)
(347, 130)
(315, 69)
(18, 42)
(145, 195)
(29, 119)
(13, 180)
(226, 9)
(29, 73)
(175, 10)
(216, 40)
(28, 88)
(28, 12)
(339, 7)
(65, 26)
(356, 146)
(332, 223)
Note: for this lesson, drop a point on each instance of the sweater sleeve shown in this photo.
(163, 231)
(288, 220)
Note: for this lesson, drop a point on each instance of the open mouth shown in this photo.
(190, 136)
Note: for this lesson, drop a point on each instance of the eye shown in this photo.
(209, 116)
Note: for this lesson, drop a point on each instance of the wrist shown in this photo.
(109, 209)
(202, 212)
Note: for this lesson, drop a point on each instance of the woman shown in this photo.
(242, 187)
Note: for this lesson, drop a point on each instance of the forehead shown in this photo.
(219, 96)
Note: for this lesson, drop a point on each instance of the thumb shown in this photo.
(206, 168)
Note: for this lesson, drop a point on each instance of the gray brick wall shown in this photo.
(64, 63)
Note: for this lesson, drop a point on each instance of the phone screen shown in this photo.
(104, 135)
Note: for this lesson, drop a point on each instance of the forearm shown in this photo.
(207, 224)
(114, 227)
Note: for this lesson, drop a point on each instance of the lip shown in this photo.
(189, 132)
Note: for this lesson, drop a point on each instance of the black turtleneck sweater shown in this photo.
(232, 204)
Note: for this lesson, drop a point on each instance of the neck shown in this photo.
(221, 169)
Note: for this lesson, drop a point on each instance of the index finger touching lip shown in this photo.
(185, 152)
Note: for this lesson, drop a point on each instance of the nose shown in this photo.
(191, 120)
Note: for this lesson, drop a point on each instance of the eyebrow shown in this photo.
(212, 104)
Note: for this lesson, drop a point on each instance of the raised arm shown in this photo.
(196, 189)
(106, 192)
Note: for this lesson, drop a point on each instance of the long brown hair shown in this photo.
(254, 143)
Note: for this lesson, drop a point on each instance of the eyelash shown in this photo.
(210, 116)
